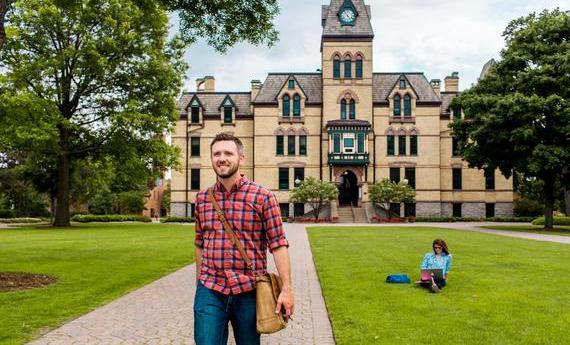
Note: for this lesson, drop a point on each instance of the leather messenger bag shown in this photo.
(269, 285)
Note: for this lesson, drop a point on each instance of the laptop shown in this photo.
(426, 273)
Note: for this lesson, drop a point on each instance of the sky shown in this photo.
(436, 37)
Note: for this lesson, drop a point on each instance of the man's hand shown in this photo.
(285, 301)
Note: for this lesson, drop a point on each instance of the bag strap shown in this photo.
(227, 227)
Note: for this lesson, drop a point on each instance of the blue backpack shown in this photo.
(398, 278)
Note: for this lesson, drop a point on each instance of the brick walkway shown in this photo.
(161, 312)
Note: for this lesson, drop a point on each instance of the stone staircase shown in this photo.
(346, 215)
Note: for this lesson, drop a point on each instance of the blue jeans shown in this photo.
(213, 310)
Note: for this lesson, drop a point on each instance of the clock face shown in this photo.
(347, 16)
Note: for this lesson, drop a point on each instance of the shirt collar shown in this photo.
(219, 187)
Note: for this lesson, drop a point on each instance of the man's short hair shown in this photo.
(226, 136)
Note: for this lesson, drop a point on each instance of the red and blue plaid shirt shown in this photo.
(255, 217)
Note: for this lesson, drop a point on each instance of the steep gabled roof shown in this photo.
(211, 102)
(332, 27)
(310, 83)
(384, 83)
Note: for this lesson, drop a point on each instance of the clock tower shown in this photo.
(346, 48)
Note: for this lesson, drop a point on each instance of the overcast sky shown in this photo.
(436, 37)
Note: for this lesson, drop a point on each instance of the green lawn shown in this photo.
(537, 229)
(501, 290)
(94, 264)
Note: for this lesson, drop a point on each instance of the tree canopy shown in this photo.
(517, 118)
(387, 192)
(316, 193)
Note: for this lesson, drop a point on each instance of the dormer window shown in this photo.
(286, 106)
(397, 101)
(407, 105)
(228, 111)
(402, 84)
(291, 84)
(296, 105)
(195, 107)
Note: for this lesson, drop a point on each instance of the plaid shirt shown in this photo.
(255, 217)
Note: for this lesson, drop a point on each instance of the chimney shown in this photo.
(206, 84)
(436, 86)
(452, 82)
(255, 87)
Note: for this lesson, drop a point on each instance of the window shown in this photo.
(336, 143)
(291, 84)
(299, 209)
(489, 210)
(395, 175)
(303, 145)
(336, 67)
(489, 179)
(457, 209)
(397, 105)
(195, 117)
(284, 208)
(228, 114)
(194, 179)
(361, 138)
(407, 105)
(352, 110)
(279, 145)
(454, 147)
(413, 145)
(457, 178)
(283, 178)
(391, 150)
(296, 105)
(401, 145)
(394, 210)
(348, 145)
(410, 175)
(457, 113)
(192, 210)
(195, 147)
(410, 210)
(359, 67)
(291, 145)
(343, 109)
(286, 106)
(298, 175)
(402, 84)
(347, 67)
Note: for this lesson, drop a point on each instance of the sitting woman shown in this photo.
(440, 258)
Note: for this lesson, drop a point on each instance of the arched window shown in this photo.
(359, 67)
(352, 110)
(347, 67)
(343, 109)
(407, 105)
(336, 67)
(296, 105)
(286, 106)
(397, 105)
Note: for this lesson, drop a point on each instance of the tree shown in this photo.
(316, 193)
(88, 79)
(518, 117)
(386, 192)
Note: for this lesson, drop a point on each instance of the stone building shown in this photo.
(345, 124)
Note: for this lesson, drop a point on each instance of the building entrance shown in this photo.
(348, 189)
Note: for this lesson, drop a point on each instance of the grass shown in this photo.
(562, 230)
(500, 291)
(94, 264)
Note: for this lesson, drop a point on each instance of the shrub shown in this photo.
(6, 214)
(511, 219)
(557, 221)
(528, 208)
(177, 220)
(20, 220)
(88, 218)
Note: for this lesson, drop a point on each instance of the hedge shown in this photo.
(6, 214)
(177, 220)
(20, 220)
(557, 221)
(87, 218)
(472, 219)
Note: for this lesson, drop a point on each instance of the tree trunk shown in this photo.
(549, 201)
(62, 208)
(4, 7)
(567, 201)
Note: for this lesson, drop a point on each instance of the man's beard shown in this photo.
(232, 170)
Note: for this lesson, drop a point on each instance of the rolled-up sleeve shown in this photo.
(273, 224)
(198, 241)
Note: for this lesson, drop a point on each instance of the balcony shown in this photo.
(348, 158)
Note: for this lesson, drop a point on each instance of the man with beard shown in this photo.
(225, 286)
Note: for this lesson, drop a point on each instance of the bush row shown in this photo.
(177, 220)
(87, 218)
(472, 219)
(20, 220)
(557, 221)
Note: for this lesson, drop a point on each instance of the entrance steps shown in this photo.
(351, 215)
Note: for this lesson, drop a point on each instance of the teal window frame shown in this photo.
(401, 145)
(360, 141)
(303, 145)
(279, 145)
(352, 109)
(343, 109)
(347, 67)
(194, 147)
(336, 67)
(336, 143)
(297, 105)
(291, 84)
(286, 106)
(402, 84)
(413, 145)
(348, 142)
(397, 105)
(290, 145)
(195, 115)
(358, 67)
(407, 105)
(228, 114)
(391, 145)
(283, 178)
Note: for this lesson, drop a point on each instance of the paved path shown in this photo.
(161, 312)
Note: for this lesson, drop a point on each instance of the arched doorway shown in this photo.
(348, 189)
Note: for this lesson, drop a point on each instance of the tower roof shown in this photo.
(333, 27)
